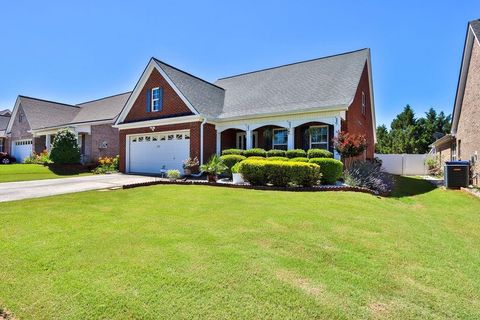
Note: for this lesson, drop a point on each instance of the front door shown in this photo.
(242, 140)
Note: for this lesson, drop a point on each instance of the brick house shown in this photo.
(172, 115)
(34, 122)
(4, 119)
(462, 143)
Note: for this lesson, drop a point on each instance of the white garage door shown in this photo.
(150, 153)
(21, 149)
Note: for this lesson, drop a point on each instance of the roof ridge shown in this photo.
(187, 73)
(107, 97)
(293, 63)
(49, 101)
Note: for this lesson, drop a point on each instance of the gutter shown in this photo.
(201, 139)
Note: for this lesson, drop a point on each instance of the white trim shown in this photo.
(158, 122)
(310, 136)
(372, 103)
(462, 81)
(152, 100)
(201, 140)
(152, 64)
(244, 134)
(14, 115)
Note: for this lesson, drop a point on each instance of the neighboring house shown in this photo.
(463, 143)
(4, 119)
(34, 122)
(172, 115)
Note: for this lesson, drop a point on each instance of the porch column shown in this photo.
(219, 143)
(249, 136)
(47, 141)
(291, 138)
(336, 131)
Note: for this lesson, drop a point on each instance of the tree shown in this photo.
(384, 142)
(65, 148)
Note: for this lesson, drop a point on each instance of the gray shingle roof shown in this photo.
(43, 114)
(102, 109)
(205, 97)
(476, 27)
(5, 112)
(4, 122)
(323, 82)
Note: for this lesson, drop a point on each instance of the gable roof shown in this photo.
(472, 38)
(101, 109)
(5, 112)
(319, 83)
(4, 122)
(43, 113)
(204, 96)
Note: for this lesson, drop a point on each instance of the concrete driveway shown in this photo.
(10, 191)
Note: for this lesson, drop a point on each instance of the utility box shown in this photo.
(456, 174)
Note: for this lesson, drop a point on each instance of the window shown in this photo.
(459, 149)
(364, 104)
(20, 117)
(319, 137)
(241, 142)
(155, 99)
(280, 139)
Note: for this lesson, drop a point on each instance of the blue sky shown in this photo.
(77, 51)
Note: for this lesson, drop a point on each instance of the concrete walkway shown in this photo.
(10, 191)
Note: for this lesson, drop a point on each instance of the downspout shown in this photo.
(201, 139)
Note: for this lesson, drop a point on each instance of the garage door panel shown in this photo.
(151, 153)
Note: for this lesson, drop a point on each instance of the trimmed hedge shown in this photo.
(331, 169)
(275, 153)
(230, 160)
(319, 153)
(295, 153)
(255, 152)
(277, 159)
(256, 158)
(232, 151)
(299, 159)
(280, 173)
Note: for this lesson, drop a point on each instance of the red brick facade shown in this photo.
(358, 122)
(172, 103)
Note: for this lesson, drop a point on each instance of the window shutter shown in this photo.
(149, 100)
(160, 99)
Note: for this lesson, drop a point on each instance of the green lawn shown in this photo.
(24, 172)
(217, 253)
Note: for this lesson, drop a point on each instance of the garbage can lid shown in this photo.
(457, 163)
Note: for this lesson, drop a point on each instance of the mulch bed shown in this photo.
(247, 186)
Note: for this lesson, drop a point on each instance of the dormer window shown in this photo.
(155, 99)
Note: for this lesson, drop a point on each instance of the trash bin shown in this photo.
(457, 174)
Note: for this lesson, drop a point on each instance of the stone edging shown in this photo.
(247, 186)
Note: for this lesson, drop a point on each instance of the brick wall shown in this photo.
(20, 129)
(469, 121)
(101, 133)
(209, 141)
(172, 103)
(358, 123)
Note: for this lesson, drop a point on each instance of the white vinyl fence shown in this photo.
(404, 164)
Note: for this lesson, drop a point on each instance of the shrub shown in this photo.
(106, 165)
(299, 159)
(319, 153)
(38, 158)
(254, 171)
(190, 163)
(280, 173)
(173, 174)
(331, 169)
(214, 166)
(275, 153)
(277, 159)
(433, 166)
(256, 158)
(255, 152)
(368, 175)
(235, 168)
(295, 153)
(65, 148)
(230, 160)
(232, 151)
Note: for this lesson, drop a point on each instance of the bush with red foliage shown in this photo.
(350, 145)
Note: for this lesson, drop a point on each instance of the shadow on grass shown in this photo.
(408, 186)
(68, 169)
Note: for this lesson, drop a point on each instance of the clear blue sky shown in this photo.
(73, 52)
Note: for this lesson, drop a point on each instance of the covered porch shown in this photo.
(308, 132)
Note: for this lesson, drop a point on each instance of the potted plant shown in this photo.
(188, 164)
(213, 168)
(173, 175)
(237, 177)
